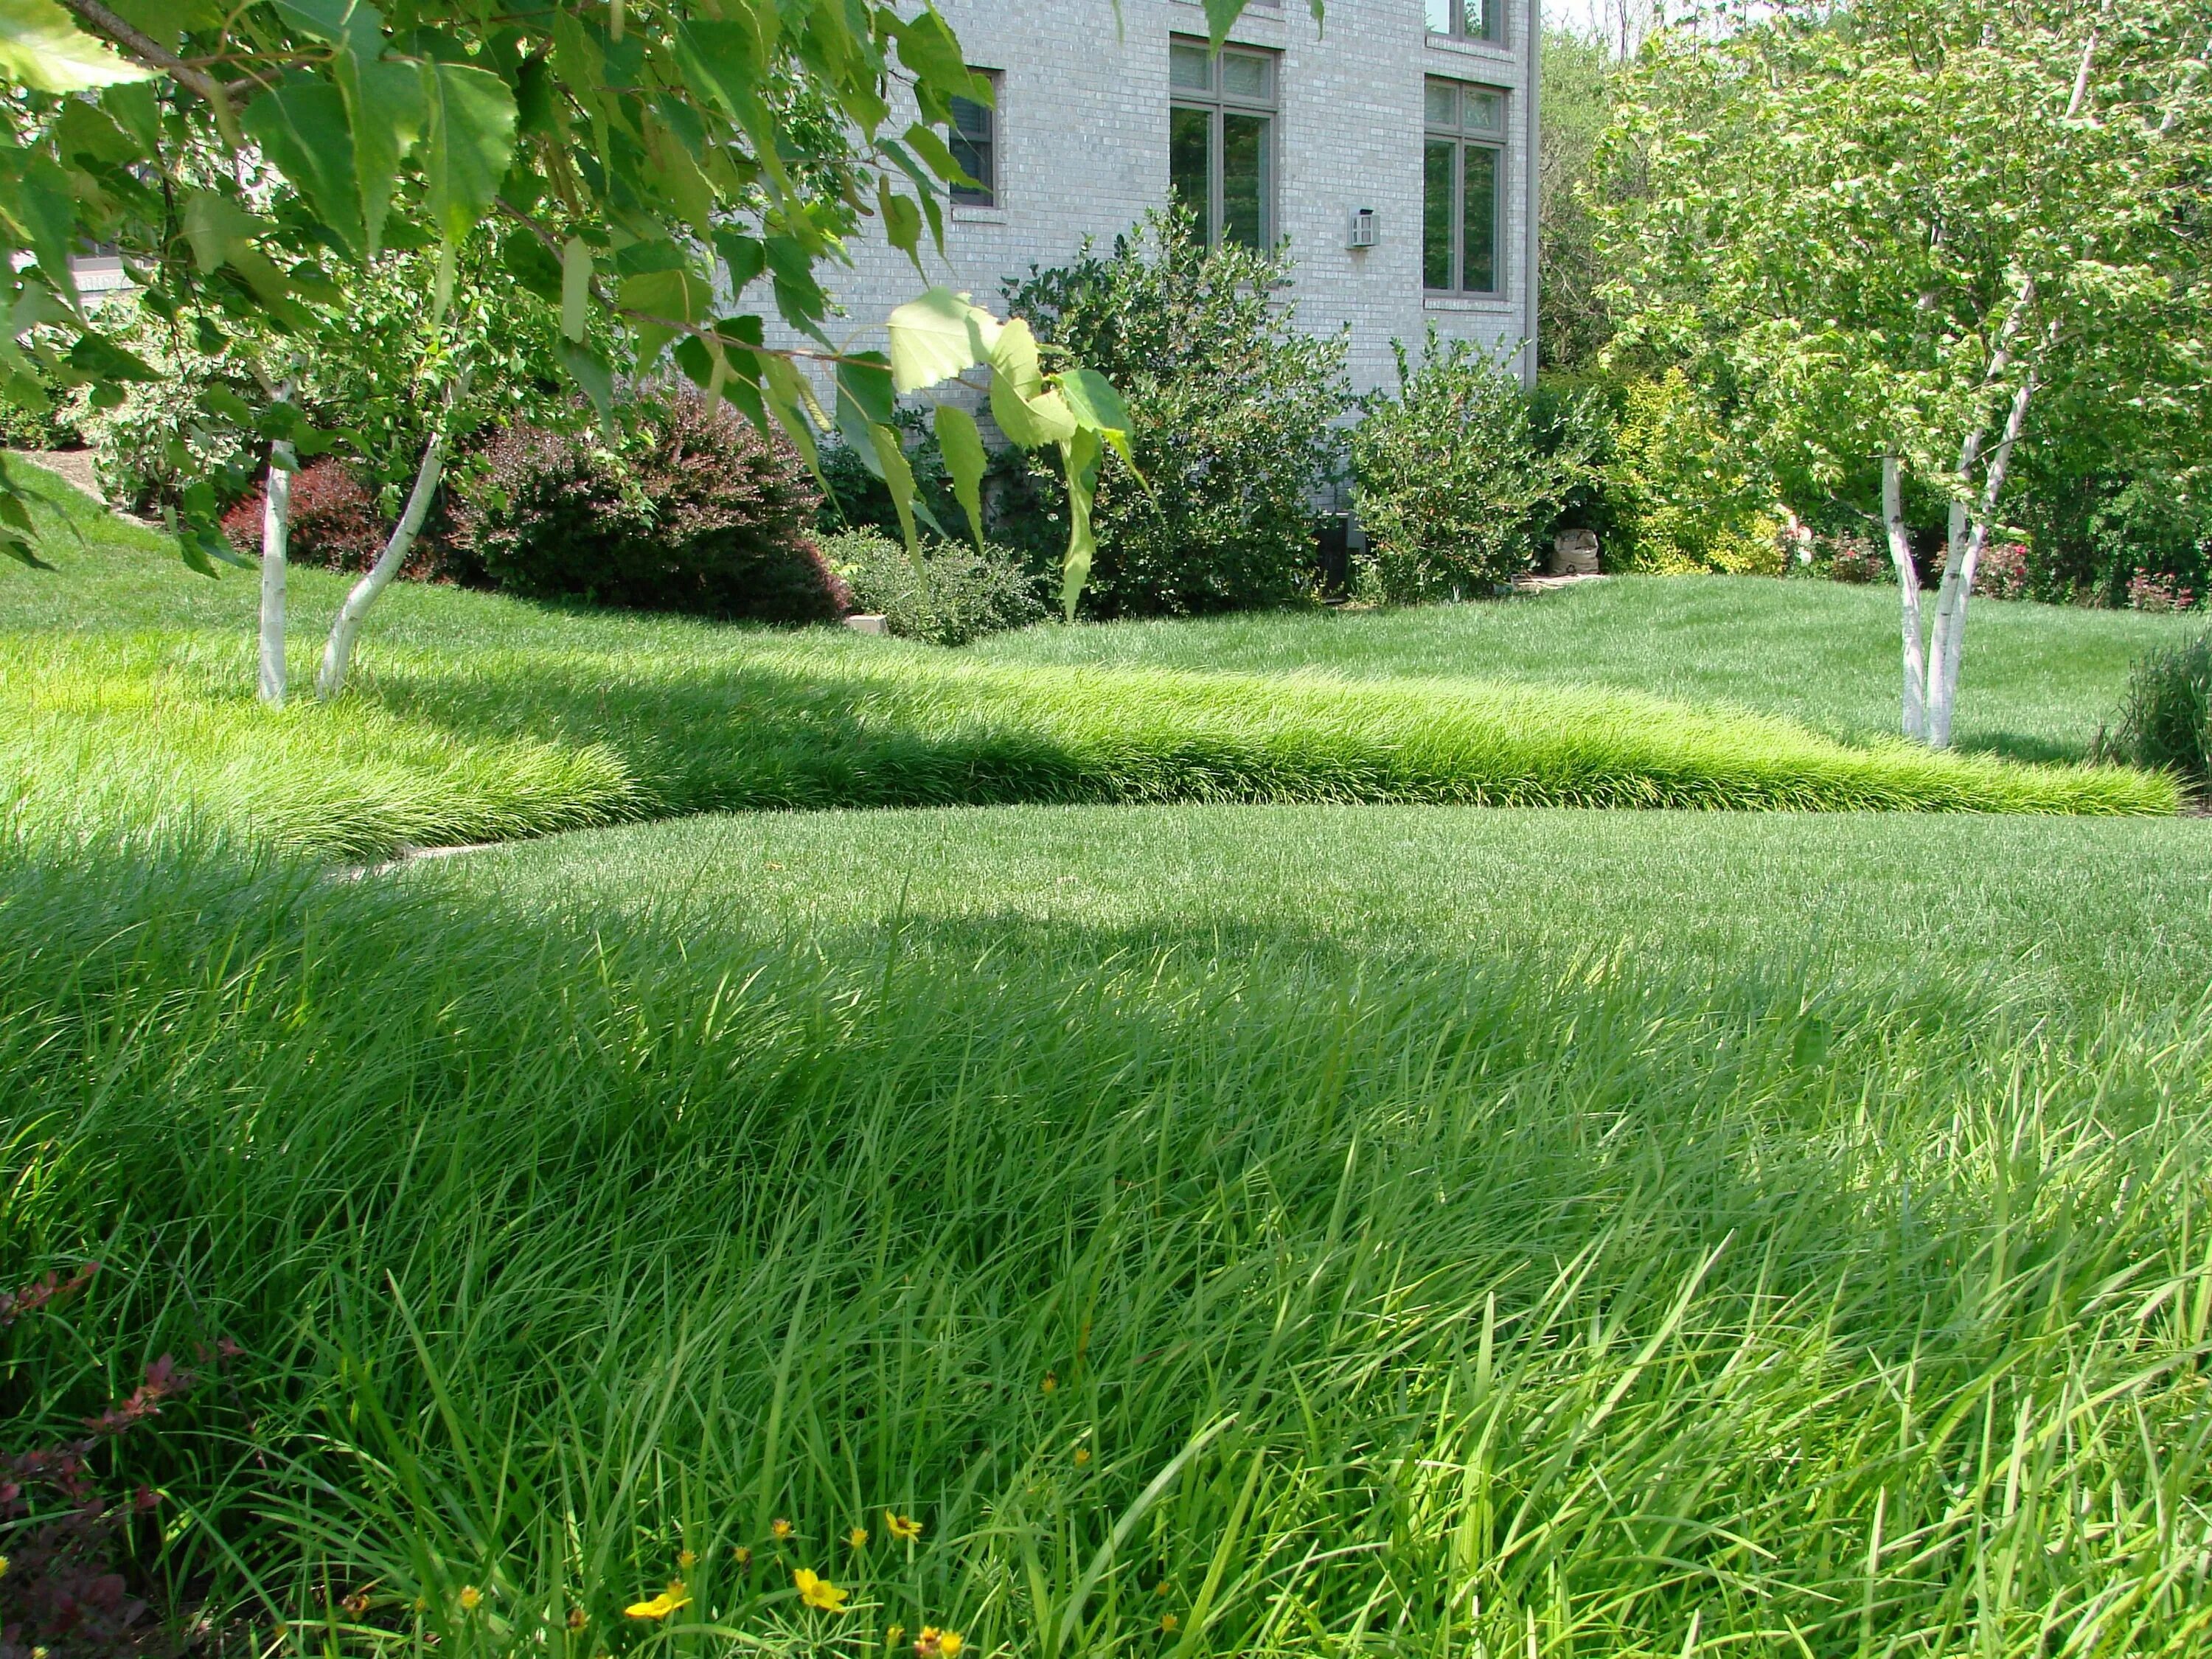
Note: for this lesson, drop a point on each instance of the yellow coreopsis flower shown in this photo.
(1051, 1383)
(779, 1529)
(818, 1592)
(742, 1556)
(662, 1605)
(858, 1538)
(894, 1636)
(935, 1643)
(578, 1619)
(1168, 1623)
(1082, 1455)
(686, 1560)
(904, 1527)
(471, 1598)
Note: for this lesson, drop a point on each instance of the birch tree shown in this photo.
(678, 168)
(1890, 234)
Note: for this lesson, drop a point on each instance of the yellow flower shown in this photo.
(471, 1598)
(578, 1619)
(1082, 1455)
(818, 1591)
(1168, 1623)
(904, 1527)
(662, 1605)
(858, 1538)
(3, 1566)
(1051, 1383)
(894, 1636)
(357, 1605)
(1160, 1588)
(742, 1556)
(687, 1561)
(779, 1529)
(935, 1643)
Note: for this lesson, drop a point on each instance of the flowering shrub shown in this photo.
(695, 512)
(1854, 558)
(2002, 572)
(2148, 591)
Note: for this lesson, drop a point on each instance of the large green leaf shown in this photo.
(301, 125)
(668, 298)
(1080, 455)
(575, 286)
(937, 337)
(352, 25)
(41, 49)
(1029, 414)
(385, 112)
(962, 445)
(36, 202)
(897, 474)
(469, 141)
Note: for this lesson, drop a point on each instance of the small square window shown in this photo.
(1190, 69)
(1443, 104)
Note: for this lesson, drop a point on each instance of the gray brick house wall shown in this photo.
(1081, 132)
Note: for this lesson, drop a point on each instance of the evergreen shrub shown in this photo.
(1456, 486)
(958, 595)
(1235, 412)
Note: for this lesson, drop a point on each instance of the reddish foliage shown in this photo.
(335, 524)
(703, 514)
(2002, 572)
(60, 1593)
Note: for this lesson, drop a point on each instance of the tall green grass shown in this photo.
(1413, 1295)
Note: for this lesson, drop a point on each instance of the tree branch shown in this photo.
(149, 52)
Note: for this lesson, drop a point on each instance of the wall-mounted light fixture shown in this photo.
(1366, 228)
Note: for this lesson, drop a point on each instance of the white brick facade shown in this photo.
(1082, 138)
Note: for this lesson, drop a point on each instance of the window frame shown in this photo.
(1463, 138)
(1492, 32)
(1218, 103)
(992, 197)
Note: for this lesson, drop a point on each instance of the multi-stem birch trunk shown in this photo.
(337, 650)
(1908, 583)
(276, 534)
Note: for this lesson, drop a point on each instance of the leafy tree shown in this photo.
(1893, 236)
(649, 162)
(1578, 104)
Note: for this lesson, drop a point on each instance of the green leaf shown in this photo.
(786, 393)
(137, 109)
(1029, 415)
(938, 335)
(1079, 456)
(742, 256)
(41, 49)
(961, 443)
(865, 378)
(679, 295)
(349, 25)
(927, 45)
(39, 206)
(589, 370)
(301, 125)
(1098, 408)
(575, 286)
(901, 222)
(386, 115)
(934, 150)
(533, 265)
(897, 474)
(470, 139)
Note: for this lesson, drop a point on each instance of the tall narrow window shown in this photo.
(1221, 142)
(976, 147)
(1463, 178)
(1470, 20)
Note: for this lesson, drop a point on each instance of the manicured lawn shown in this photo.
(1242, 1230)
(2038, 680)
(482, 718)
(1433, 1222)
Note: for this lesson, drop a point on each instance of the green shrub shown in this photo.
(696, 512)
(1235, 410)
(2165, 723)
(956, 596)
(1682, 498)
(1454, 489)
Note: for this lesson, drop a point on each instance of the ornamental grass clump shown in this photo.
(2165, 723)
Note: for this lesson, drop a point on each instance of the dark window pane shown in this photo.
(1190, 171)
(1244, 180)
(1480, 220)
(972, 148)
(1436, 213)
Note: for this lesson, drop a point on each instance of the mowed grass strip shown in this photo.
(483, 719)
(1200, 1290)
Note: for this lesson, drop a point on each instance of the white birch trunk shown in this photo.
(1943, 672)
(276, 532)
(1908, 586)
(337, 650)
